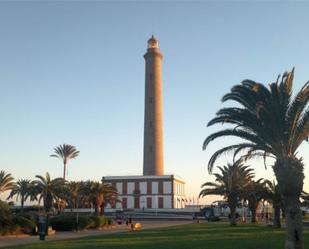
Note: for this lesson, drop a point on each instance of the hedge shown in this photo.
(68, 222)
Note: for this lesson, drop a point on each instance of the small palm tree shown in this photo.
(74, 194)
(274, 196)
(21, 190)
(255, 192)
(99, 195)
(231, 182)
(6, 182)
(65, 152)
(48, 190)
(110, 195)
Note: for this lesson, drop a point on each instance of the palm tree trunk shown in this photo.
(96, 209)
(290, 177)
(253, 206)
(22, 203)
(102, 210)
(232, 205)
(294, 223)
(253, 215)
(277, 222)
(64, 170)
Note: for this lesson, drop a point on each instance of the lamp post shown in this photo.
(77, 214)
(243, 211)
(143, 203)
(156, 205)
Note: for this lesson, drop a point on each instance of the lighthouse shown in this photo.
(153, 190)
(153, 163)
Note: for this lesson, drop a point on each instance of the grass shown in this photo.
(193, 236)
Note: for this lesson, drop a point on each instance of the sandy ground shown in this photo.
(6, 241)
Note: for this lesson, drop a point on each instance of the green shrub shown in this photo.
(85, 222)
(6, 220)
(98, 221)
(110, 221)
(26, 224)
(68, 222)
(63, 223)
(214, 218)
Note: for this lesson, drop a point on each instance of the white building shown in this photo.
(151, 192)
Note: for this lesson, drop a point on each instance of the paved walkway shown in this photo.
(6, 241)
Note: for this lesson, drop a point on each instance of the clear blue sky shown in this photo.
(73, 72)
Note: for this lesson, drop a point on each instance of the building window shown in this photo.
(114, 185)
(150, 124)
(124, 188)
(160, 188)
(160, 200)
(124, 202)
(150, 148)
(151, 76)
(136, 188)
(149, 187)
(149, 202)
(136, 202)
(150, 100)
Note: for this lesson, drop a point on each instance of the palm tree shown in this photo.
(274, 196)
(65, 152)
(255, 192)
(273, 124)
(86, 195)
(99, 195)
(6, 182)
(110, 195)
(74, 194)
(231, 183)
(22, 190)
(48, 190)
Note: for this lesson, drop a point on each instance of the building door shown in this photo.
(136, 202)
(149, 202)
(149, 187)
(124, 188)
(160, 199)
(160, 188)
(136, 188)
(124, 202)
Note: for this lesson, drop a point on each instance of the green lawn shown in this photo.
(194, 236)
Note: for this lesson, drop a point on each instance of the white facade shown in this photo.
(148, 192)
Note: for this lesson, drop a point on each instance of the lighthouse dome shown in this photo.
(153, 42)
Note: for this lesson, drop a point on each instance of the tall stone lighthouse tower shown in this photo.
(153, 190)
(153, 134)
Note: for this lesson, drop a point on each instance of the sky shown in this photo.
(73, 72)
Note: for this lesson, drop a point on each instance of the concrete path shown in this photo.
(6, 241)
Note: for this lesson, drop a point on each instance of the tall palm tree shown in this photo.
(273, 124)
(274, 196)
(231, 182)
(21, 190)
(255, 192)
(65, 152)
(6, 182)
(48, 189)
